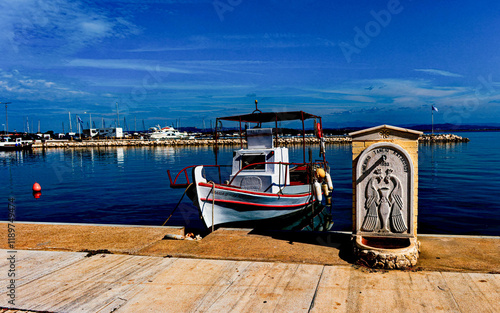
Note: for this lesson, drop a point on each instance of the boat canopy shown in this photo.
(268, 117)
(260, 117)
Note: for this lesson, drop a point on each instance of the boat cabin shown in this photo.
(258, 167)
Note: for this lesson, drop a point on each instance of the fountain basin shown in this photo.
(386, 252)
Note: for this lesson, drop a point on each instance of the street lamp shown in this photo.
(6, 116)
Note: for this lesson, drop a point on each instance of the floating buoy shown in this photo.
(37, 187)
(37, 194)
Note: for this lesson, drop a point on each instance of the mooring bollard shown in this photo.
(385, 196)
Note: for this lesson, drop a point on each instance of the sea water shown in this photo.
(459, 184)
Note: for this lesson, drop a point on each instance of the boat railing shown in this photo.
(286, 164)
(174, 184)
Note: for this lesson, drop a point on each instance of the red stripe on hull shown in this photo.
(256, 204)
(253, 192)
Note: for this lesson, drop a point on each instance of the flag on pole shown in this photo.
(435, 109)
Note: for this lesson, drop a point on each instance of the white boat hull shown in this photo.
(222, 204)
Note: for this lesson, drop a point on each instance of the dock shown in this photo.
(113, 268)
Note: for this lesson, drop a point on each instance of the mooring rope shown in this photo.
(177, 204)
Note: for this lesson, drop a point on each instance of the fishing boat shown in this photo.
(263, 186)
(7, 144)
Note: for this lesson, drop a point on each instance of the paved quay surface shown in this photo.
(239, 271)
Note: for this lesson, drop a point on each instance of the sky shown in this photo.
(355, 63)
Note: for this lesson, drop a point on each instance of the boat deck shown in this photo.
(240, 271)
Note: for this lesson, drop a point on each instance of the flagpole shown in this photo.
(79, 132)
(432, 114)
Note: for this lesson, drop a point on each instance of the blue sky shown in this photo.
(356, 63)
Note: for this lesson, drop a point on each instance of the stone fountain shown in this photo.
(385, 196)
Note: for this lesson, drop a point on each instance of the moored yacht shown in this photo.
(165, 133)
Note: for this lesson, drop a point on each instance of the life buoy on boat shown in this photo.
(319, 131)
(317, 191)
(329, 181)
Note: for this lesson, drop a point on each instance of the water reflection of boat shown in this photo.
(264, 187)
(7, 144)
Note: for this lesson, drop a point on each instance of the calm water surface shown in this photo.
(459, 185)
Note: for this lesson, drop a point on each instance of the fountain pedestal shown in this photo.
(385, 196)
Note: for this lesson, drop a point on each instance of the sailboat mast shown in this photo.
(117, 116)
(70, 128)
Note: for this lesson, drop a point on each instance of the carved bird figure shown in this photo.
(372, 202)
(396, 200)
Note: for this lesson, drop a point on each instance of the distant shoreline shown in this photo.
(437, 138)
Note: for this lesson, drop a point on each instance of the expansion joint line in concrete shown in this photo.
(316, 290)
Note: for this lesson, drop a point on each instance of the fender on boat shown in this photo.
(329, 181)
(317, 191)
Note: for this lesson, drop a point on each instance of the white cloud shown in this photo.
(438, 72)
(60, 25)
(126, 64)
(22, 87)
(97, 28)
(400, 92)
(231, 42)
(359, 99)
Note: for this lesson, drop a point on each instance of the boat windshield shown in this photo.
(248, 159)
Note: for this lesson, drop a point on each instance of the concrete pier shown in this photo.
(133, 269)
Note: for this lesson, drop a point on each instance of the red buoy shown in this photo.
(37, 194)
(37, 187)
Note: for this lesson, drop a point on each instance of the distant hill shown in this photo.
(427, 128)
(455, 127)
(346, 130)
